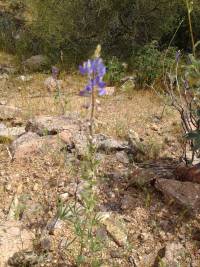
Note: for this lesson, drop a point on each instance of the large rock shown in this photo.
(186, 194)
(13, 238)
(36, 63)
(9, 112)
(6, 69)
(48, 125)
(108, 144)
(174, 253)
(115, 227)
(189, 174)
(12, 132)
(32, 144)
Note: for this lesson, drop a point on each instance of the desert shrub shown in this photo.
(73, 28)
(8, 28)
(115, 71)
(149, 63)
(183, 92)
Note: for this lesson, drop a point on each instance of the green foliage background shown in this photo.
(73, 28)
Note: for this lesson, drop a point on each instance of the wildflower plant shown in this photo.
(86, 219)
(95, 70)
(183, 89)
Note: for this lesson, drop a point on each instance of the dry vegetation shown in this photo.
(39, 180)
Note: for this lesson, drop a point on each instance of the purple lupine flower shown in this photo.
(55, 72)
(95, 69)
(178, 54)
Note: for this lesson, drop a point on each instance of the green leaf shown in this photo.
(197, 44)
(198, 112)
(193, 135)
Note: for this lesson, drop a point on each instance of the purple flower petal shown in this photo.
(101, 84)
(88, 88)
(82, 70)
(102, 91)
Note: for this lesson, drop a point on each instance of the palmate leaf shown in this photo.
(193, 135)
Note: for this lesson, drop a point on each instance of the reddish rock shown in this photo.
(32, 144)
(189, 174)
(13, 239)
(186, 194)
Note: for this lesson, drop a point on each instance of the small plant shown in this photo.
(115, 71)
(148, 62)
(183, 90)
(85, 217)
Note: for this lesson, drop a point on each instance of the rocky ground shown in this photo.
(149, 210)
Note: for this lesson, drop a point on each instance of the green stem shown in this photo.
(191, 29)
(92, 113)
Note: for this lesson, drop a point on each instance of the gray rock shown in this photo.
(4, 76)
(13, 239)
(186, 194)
(122, 157)
(48, 125)
(12, 133)
(9, 112)
(115, 227)
(6, 70)
(173, 254)
(2, 126)
(36, 63)
(23, 258)
(108, 144)
(32, 144)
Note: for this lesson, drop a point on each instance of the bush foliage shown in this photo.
(70, 30)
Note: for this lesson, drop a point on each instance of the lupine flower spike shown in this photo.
(95, 70)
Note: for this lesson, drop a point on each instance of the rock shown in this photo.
(23, 258)
(80, 143)
(13, 238)
(12, 133)
(122, 157)
(2, 126)
(4, 76)
(53, 84)
(45, 244)
(186, 194)
(22, 140)
(108, 144)
(48, 125)
(173, 254)
(189, 174)
(9, 112)
(32, 144)
(151, 259)
(110, 90)
(154, 127)
(6, 70)
(135, 143)
(127, 202)
(3, 102)
(24, 78)
(36, 63)
(64, 196)
(115, 227)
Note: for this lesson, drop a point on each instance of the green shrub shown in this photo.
(149, 63)
(115, 71)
